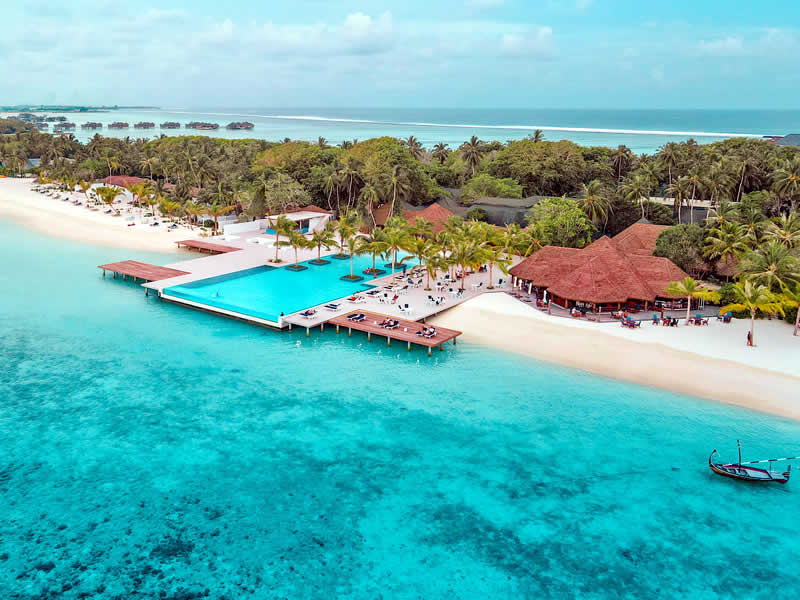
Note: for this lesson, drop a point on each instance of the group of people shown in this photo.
(427, 332)
(389, 323)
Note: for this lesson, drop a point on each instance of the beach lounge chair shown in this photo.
(430, 334)
(308, 313)
(356, 317)
(333, 306)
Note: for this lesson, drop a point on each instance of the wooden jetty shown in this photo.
(139, 270)
(209, 247)
(406, 331)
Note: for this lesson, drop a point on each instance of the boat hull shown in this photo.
(743, 473)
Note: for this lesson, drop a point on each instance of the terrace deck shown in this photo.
(406, 330)
(206, 246)
(140, 270)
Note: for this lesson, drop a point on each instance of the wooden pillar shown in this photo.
(454, 341)
(349, 331)
(429, 350)
(321, 327)
(409, 346)
(145, 292)
(104, 272)
(369, 336)
(337, 329)
(290, 326)
(388, 341)
(441, 347)
(308, 331)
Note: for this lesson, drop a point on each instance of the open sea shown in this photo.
(640, 130)
(152, 451)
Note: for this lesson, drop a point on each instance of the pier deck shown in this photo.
(406, 330)
(140, 270)
(209, 247)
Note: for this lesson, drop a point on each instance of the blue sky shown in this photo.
(412, 53)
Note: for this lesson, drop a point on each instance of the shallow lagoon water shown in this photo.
(149, 450)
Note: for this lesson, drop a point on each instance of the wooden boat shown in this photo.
(744, 472)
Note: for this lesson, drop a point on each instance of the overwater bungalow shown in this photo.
(118, 125)
(92, 125)
(67, 125)
(240, 125)
(144, 125)
(202, 125)
(609, 274)
(170, 125)
(55, 119)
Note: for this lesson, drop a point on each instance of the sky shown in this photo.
(411, 53)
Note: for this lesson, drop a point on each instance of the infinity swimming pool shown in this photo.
(266, 292)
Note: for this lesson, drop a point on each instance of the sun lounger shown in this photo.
(308, 313)
(333, 306)
(357, 317)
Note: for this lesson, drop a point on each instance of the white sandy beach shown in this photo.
(710, 362)
(65, 220)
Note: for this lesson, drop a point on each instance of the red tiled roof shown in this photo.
(639, 238)
(381, 214)
(603, 272)
(435, 213)
(311, 208)
(124, 180)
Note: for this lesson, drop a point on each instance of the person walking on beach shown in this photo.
(749, 338)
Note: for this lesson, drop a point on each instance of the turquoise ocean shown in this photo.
(640, 130)
(154, 451)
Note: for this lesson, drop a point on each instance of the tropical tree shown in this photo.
(772, 265)
(440, 152)
(297, 240)
(495, 256)
(326, 236)
(414, 147)
(397, 240)
(192, 210)
(346, 227)
(727, 241)
(85, 187)
(354, 247)
(679, 190)
(786, 181)
(622, 160)
(471, 153)
(595, 202)
(283, 226)
(785, 230)
(790, 296)
(689, 289)
(370, 198)
(753, 298)
(108, 194)
(467, 253)
(374, 245)
(637, 188)
(537, 136)
(398, 184)
(433, 260)
(169, 207)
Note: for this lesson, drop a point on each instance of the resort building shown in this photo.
(609, 274)
(308, 218)
(434, 213)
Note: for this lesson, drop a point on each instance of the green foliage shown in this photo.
(280, 191)
(296, 159)
(683, 245)
(380, 156)
(10, 126)
(477, 214)
(562, 222)
(543, 168)
(445, 175)
(484, 184)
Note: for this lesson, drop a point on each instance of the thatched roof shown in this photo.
(606, 271)
(435, 213)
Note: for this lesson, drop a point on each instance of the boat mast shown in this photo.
(738, 443)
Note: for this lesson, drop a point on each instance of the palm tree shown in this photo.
(355, 246)
(510, 239)
(785, 230)
(495, 255)
(467, 253)
(414, 147)
(724, 212)
(726, 241)
(192, 211)
(323, 237)
(689, 288)
(168, 207)
(108, 194)
(536, 136)
(370, 198)
(216, 210)
(786, 180)
(322, 142)
(441, 152)
(346, 227)
(375, 245)
(471, 153)
(679, 190)
(772, 265)
(85, 187)
(637, 188)
(398, 183)
(753, 298)
(283, 225)
(670, 156)
(418, 247)
(791, 298)
(397, 239)
(595, 202)
(149, 163)
(331, 184)
(422, 228)
(623, 158)
(433, 261)
(297, 240)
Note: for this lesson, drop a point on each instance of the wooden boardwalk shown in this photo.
(140, 270)
(209, 247)
(406, 330)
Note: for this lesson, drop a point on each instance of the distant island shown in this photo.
(69, 108)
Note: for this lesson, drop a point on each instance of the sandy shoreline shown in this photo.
(762, 378)
(64, 220)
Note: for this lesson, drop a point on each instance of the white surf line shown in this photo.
(471, 126)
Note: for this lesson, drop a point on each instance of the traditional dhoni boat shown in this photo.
(744, 472)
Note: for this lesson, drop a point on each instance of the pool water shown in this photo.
(149, 451)
(266, 292)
